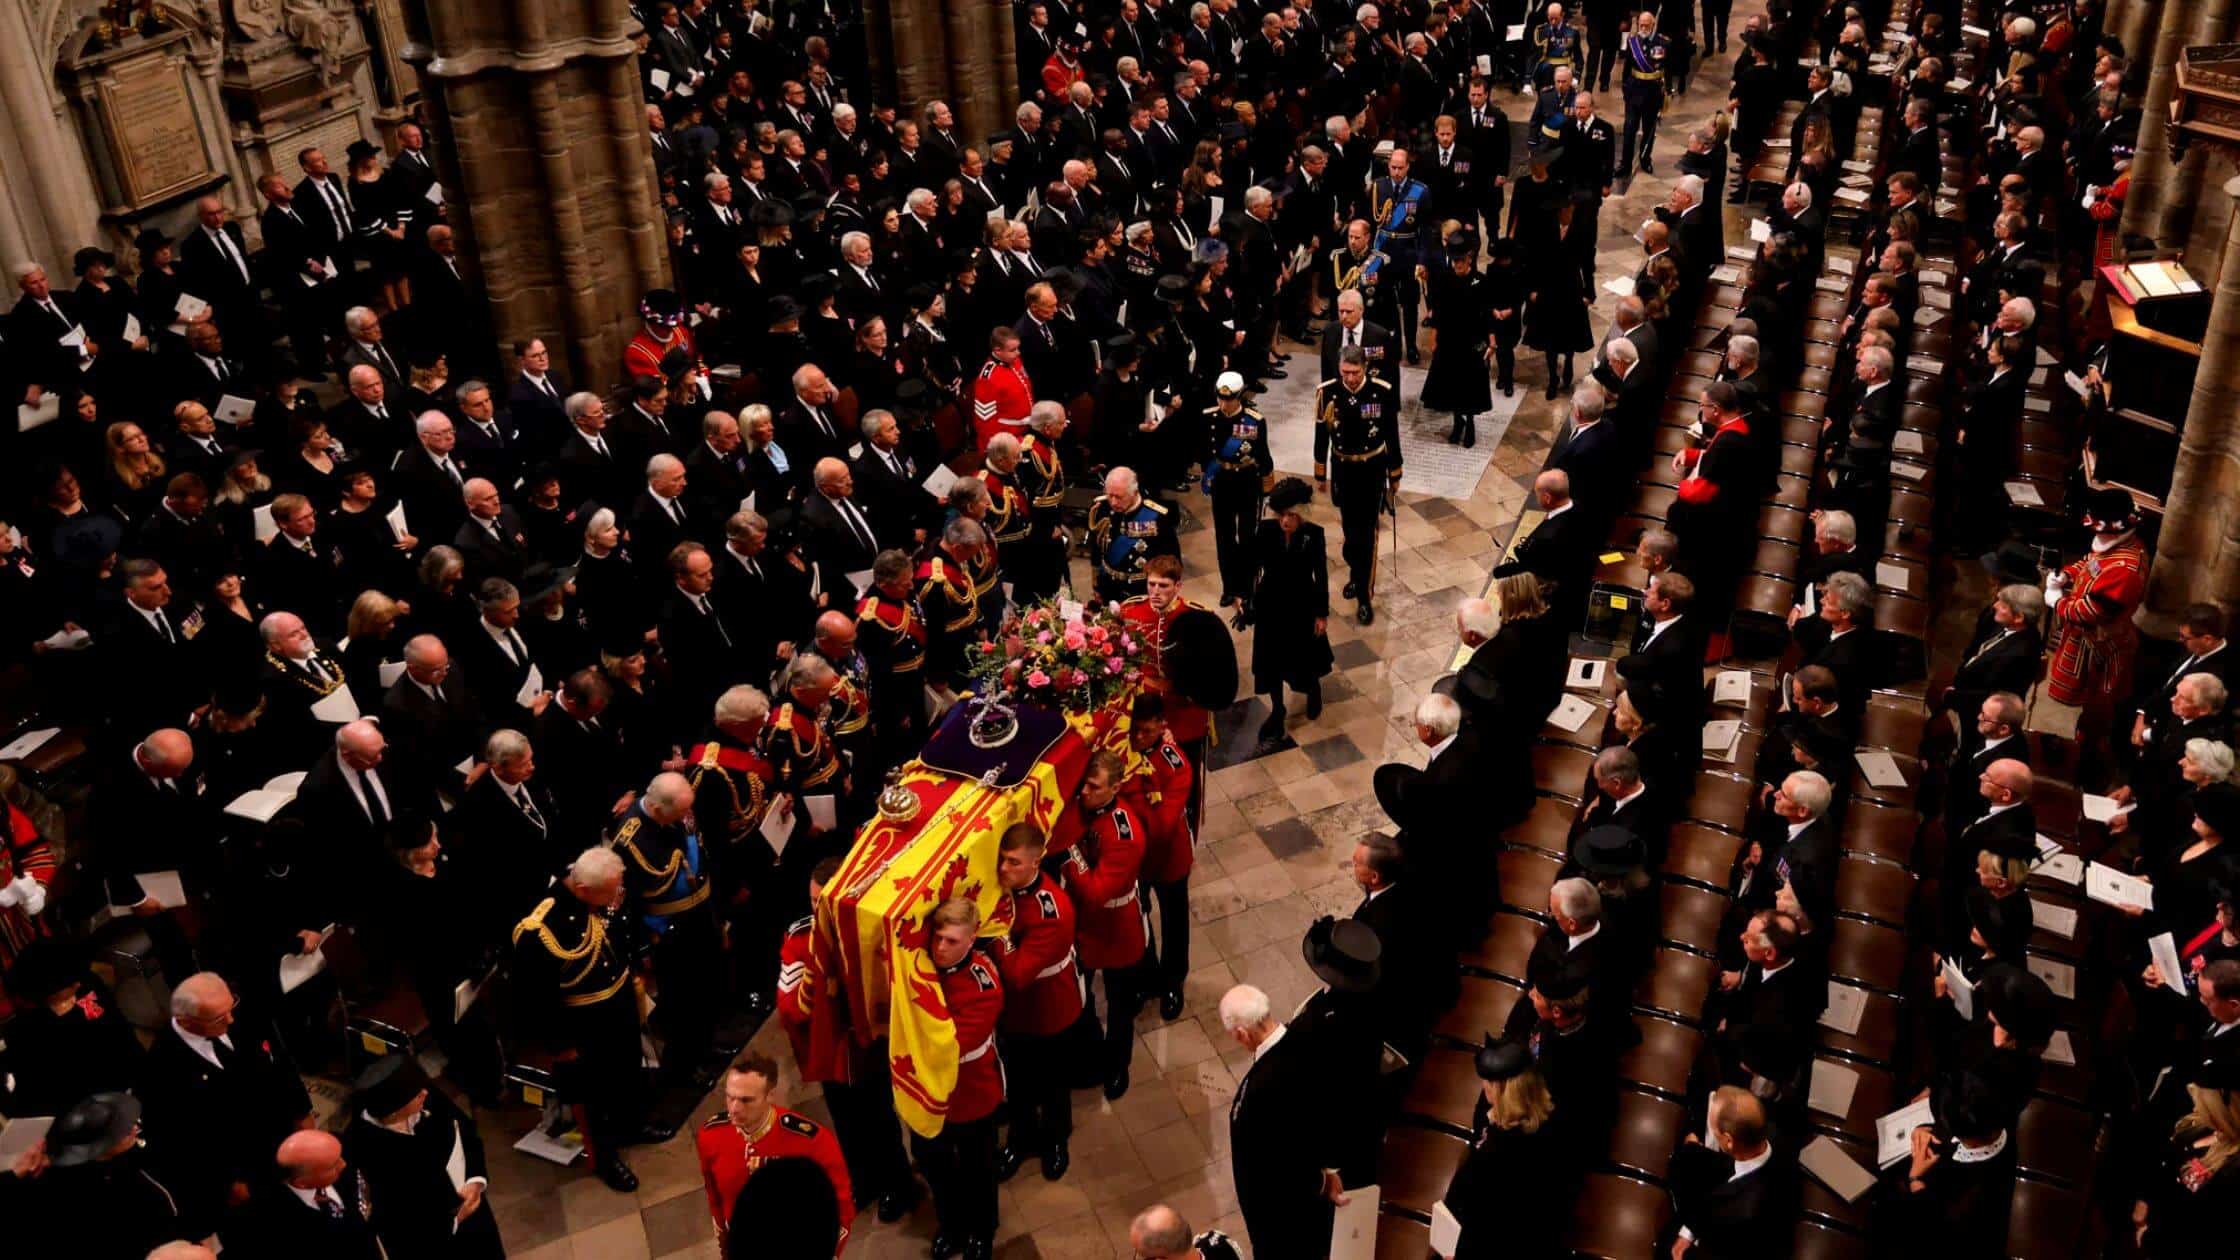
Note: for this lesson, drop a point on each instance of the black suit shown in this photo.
(1279, 1143)
(1377, 343)
(585, 766)
(407, 1174)
(1665, 677)
(1592, 457)
(494, 455)
(655, 529)
(306, 583)
(223, 278)
(1558, 552)
(278, 1225)
(836, 538)
(1732, 1217)
(1996, 660)
(1418, 980)
(808, 438)
(232, 1117)
(714, 484)
(433, 494)
(430, 734)
(381, 358)
(1850, 656)
(540, 419)
(703, 654)
(351, 830)
(496, 675)
(587, 476)
(507, 856)
(154, 678)
(896, 503)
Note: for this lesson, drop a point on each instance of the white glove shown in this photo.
(25, 893)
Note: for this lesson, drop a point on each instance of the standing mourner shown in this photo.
(2089, 652)
(1239, 471)
(1288, 601)
(1357, 427)
(1462, 319)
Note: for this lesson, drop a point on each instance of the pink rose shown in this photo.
(1075, 640)
(1043, 637)
(1096, 634)
(1038, 679)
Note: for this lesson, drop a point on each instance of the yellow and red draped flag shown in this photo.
(872, 919)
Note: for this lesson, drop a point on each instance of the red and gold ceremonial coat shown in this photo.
(2090, 653)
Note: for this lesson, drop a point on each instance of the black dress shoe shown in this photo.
(1116, 1086)
(1551, 389)
(1508, 389)
(1314, 704)
(654, 1133)
(1170, 1005)
(1469, 434)
(896, 1204)
(1365, 614)
(1007, 1163)
(1454, 432)
(1055, 1161)
(945, 1247)
(616, 1174)
(1647, 169)
(1277, 374)
(979, 1249)
(1348, 592)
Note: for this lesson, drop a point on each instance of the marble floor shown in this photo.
(1277, 828)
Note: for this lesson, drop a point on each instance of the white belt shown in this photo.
(977, 1051)
(1056, 967)
(1119, 901)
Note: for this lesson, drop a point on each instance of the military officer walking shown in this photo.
(1239, 472)
(665, 872)
(1358, 267)
(1398, 207)
(1038, 565)
(1126, 529)
(1645, 56)
(1357, 427)
(569, 967)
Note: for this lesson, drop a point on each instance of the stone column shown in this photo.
(541, 143)
(2134, 22)
(48, 204)
(2198, 556)
(2163, 193)
(959, 51)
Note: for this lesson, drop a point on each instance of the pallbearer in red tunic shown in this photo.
(1042, 1003)
(1195, 665)
(1099, 846)
(1160, 778)
(751, 1131)
(1001, 395)
(2091, 647)
(960, 1161)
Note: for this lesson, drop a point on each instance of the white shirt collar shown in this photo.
(201, 1044)
(1796, 827)
(1994, 743)
(1260, 1051)
(1620, 802)
(1658, 628)
(1440, 747)
(316, 1200)
(1996, 810)
(1556, 512)
(1573, 942)
(1744, 1167)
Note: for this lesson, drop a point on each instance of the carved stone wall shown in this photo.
(959, 51)
(541, 144)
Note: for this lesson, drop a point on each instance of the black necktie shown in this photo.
(856, 523)
(227, 1055)
(675, 513)
(529, 808)
(375, 810)
(163, 623)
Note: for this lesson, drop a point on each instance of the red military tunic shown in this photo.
(2093, 641)
(1103, 860)
(973, 990)
(642, 357)
(1001, 398)
(1009, 518)
(728, 1157)
(1041, 975)
(806, 989)
(1187, 722)
(1159, 780)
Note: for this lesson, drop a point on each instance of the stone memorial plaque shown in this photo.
(151, 120)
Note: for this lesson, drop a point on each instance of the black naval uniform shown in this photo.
(566, 954)
(1359, 431)
(1342, 269)
(891, 636)
(665, 870)
(1643, 63)
(1239, 472)
(1124, 542)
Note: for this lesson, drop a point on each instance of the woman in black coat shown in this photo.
(1290, 603)
(1555, 321)
(1530, 655)
(1461, 312)
(1504, 293)
(1518, 1163)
